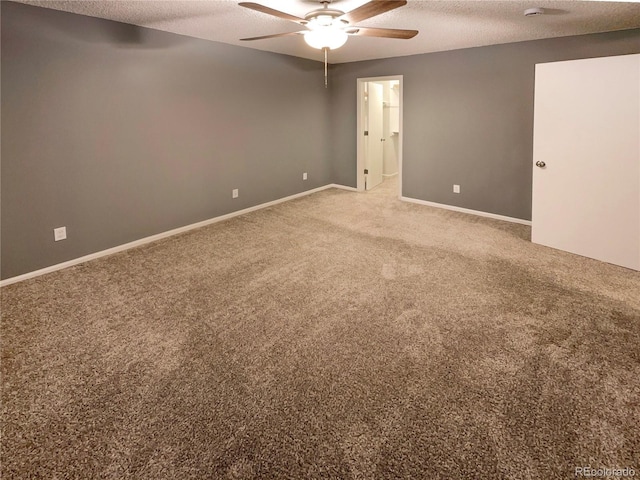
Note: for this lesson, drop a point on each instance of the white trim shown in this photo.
(390, 174)
(343, 187)
(359, 128)
(466, 210)
(159, 236)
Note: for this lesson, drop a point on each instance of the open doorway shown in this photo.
(379, 134)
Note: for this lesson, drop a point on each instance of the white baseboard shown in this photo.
(390, 174)
(344, 187)
(466, 210)
(159, 236)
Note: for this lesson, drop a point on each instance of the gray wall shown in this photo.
(468, 118)
(119, 132)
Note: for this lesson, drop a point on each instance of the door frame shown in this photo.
(360, 128)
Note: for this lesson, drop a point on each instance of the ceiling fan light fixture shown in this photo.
(326, 37)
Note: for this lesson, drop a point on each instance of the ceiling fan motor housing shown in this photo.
(325, 17)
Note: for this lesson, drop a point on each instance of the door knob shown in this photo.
(540, 164)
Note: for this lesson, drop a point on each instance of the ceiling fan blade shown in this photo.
(371, 9)
(382, 32)
(272, 36)
(270, 11)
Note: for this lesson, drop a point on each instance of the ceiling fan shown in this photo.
(328, 28)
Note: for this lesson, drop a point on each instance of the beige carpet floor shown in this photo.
(339, 335)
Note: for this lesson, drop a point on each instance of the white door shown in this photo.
(374, 149)
(586, 153)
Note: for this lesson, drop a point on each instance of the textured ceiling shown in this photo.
(443, 24)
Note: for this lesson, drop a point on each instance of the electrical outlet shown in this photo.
(59, 233)
(304, 176)
(234, 193)
(456, 189)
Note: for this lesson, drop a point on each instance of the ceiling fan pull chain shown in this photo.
(326, 82)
